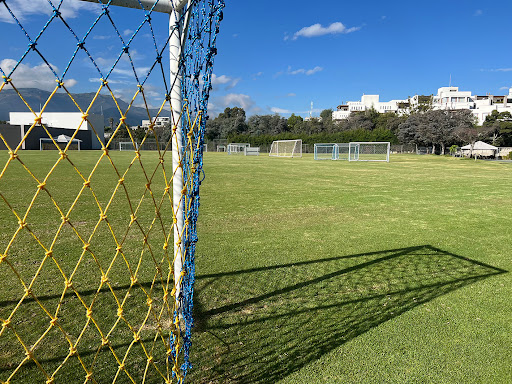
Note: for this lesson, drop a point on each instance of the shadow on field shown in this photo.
(260, 325)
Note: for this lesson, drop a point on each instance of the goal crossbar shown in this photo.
(163, 6)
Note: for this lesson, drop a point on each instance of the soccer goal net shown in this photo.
(128, 146)
(369, 151)
(286, 148)
(237, 148)
(331, 151)
(97, 247)
(325, 151)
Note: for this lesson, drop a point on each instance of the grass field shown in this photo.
(313, 271)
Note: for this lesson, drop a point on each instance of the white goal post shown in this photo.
(128, 146)
(237, 148)
(369, 151)
(286, 148)
(331, 151)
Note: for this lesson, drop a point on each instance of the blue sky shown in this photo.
(279, 56)
(391, 48)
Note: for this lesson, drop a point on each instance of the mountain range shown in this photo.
(61, 102)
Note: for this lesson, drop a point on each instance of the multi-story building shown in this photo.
(159, 121)
(367, 102)
(446, 98)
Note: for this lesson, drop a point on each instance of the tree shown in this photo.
(409, 131)
(162, 132)
(229, 122)
(467, 131)
(267, 125)
(499, 127)
(293, 120)
(326, 119)
(436, 127)
(358, 120)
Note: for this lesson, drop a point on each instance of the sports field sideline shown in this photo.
(327, 272)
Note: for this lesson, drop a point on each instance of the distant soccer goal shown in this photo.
(331, 151)
(252, 151)
(325, 151)
(237, 148)
(369, 151)
(128, 146)
(286, 148)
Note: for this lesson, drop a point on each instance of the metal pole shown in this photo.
(164, 6)
(177, 150)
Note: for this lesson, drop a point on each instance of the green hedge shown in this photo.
(338, 137)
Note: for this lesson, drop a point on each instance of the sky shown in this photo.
(279, 56)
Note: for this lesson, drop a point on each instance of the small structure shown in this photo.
(480, 149)
(61, 140)
(252, 151)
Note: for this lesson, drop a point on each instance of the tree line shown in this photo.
(438, 129)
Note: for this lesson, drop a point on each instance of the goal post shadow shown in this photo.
(280, 318)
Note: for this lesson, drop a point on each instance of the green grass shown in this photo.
(337, 272)
(25, 256)
(307, 271)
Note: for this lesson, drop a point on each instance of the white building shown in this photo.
(63, 120)
(367, 102)
(446, 98)
(159, 121)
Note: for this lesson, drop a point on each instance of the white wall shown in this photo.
(67, 120)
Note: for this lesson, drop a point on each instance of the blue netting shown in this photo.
(197, 66)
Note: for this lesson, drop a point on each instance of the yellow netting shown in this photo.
(159, 317)
(87, 244)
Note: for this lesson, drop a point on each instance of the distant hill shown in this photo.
(61, 102)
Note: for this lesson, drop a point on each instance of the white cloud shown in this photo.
(98, 80)
(478, 12)
(141, 71)
(218, 104)
(504, 88)
(101, 37)
(302, 71)
(128, 32)
(291, 94)
(38, 76)
(238, 100)
(279, 110)
(319, 30)
(497, 70)
(24, 8)
(223, 80)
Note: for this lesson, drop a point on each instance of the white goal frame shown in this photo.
(237, 148)
(296, 150)
(129, 144)
(331, 151)
(362, 151)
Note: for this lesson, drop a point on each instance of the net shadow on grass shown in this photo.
(262, 324)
